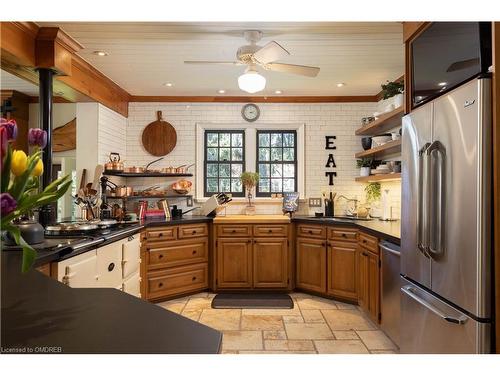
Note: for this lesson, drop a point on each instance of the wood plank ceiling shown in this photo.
(144, 56)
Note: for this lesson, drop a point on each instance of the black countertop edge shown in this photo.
(185, 220)
(382, 232)
(41, 313)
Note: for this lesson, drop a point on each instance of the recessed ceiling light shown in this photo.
(278, 92)
(168, 84)
(442, 83)
(340, 84)
(221, 91)
(101, 53)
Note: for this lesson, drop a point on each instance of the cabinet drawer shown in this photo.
(270, 230)
(177, 280)
(343, 234)
(311, 231)
(178, 253)
(194, 230)
(234, 230)
(368, 242)
(161, 234)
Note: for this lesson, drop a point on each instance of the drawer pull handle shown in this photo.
(310, 232)
(160, 256)
(111, 267)
(234, 231)
(344, 235)
(365, 254)
(270, 231)
(194, 252)
(160, 235)
(160, 285)
(364, 241)
(193, 232)
(194, 278)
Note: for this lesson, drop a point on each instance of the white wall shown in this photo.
(340, 119)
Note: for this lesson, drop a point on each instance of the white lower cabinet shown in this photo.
(112, 266)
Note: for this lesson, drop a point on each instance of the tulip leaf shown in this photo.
(29, 254)
(6, 170)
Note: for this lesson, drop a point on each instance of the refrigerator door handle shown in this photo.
(412, 292)
(436, 205)
(422, 200)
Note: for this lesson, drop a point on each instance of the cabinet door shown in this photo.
(132, 285)
(363, 278)
(373, 286)
(79, 271)
(131, 255)
(234, 263)
(270, 263)
(311, 264)
(109, 265)
(342, 270)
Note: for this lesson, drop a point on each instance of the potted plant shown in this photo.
(396, 89)
(365, 166)
(249, 180)
(373, 194)
(20, 193)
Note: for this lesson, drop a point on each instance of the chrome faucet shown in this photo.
(355, 200)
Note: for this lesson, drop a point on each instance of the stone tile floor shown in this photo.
(314, 325)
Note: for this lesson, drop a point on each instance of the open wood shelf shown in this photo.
(146, 174)
(380, 177)
(385, 122)
(390, 148)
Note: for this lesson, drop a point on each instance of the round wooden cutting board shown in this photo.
(159, 138)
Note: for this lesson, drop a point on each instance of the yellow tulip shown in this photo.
(38, 170)
(19, 162)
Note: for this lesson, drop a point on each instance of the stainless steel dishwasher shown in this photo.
(390, 295)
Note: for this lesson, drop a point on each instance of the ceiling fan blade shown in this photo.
(213, 62)
(272, 51)
(309, 71)
(464, 64)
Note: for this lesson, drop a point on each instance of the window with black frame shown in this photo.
(224, 162)
(276, 162)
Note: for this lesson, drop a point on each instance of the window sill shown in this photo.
(257, 201)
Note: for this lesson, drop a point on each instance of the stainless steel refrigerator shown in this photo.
(446, 223)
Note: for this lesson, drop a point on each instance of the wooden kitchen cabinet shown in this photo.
(342, 270)
(270, 263)
(369, 277)
(234, 262)
(311, 264)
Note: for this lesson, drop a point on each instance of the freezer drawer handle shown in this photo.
(410, 292)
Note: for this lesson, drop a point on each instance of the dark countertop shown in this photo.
(388, 230)
(39, 312)
(184, 220)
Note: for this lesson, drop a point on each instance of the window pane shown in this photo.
(224, 139)
(212, 185)
(236, 185)
(237, 140)
(212, 170)
(237, 154)
(288, 185)
(288, 140)
(236, 170)
(276, 170)
(212, 139)
(264, 140)
(276, 185)
(288, 154)
(264, 170)
(225, 185)
(276, 140)
(224, 154)
(224, 170)
(264, 185)
(212, 154)
(288, 170)
(264, 154)
(276, 154)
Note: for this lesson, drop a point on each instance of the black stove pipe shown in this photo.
(46, 77)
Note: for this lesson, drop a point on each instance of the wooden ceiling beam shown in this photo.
(255, 99)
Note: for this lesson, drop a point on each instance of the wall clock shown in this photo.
(250, 112)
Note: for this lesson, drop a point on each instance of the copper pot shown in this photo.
(183, 168)
(134, 169)
(168, 170)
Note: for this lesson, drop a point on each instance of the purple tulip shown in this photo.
(7, 204)
(37, 137)
(11, 128)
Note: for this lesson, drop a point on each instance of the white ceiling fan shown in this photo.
(253, 55)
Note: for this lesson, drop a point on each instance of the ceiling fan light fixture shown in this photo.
(251, 81)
